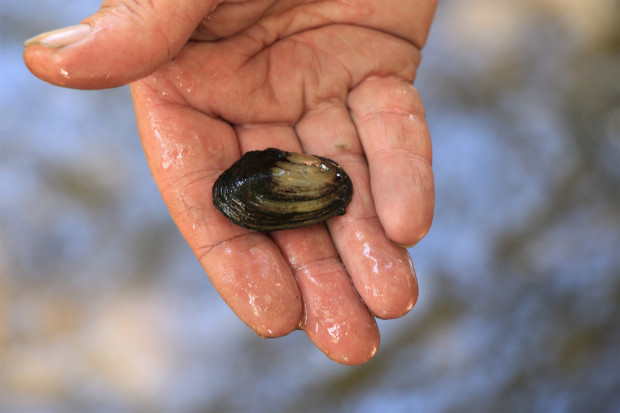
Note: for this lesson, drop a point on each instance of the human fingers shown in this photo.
(230, 17)
(186, 151)
(382, 272)
(335, 318)
(122, 42)
(390, 120)
(408, 19)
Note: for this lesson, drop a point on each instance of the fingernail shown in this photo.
(61, 37)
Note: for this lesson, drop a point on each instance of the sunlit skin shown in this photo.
(332, 78)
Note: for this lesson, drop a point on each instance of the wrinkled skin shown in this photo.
(332, 78)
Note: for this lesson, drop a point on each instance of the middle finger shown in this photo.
(335, 320)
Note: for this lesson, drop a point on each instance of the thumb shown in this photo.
(124, 41)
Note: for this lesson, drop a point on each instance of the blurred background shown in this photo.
(104, 307)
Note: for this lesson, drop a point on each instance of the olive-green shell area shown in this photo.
(271, 190)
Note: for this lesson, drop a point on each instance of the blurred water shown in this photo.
(106, 309)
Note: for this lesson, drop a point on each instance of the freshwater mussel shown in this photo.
(271, 190)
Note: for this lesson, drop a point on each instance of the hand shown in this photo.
(332, 78)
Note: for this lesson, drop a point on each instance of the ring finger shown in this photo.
(382, 272)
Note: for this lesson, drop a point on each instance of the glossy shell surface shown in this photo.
(271, 190)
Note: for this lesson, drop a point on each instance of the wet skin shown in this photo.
(331, 78)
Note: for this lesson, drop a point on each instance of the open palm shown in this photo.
(330, 78)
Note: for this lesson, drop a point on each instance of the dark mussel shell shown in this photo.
(272, 190)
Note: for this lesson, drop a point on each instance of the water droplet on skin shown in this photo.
(334, 332)
(171, 154)
(367, 254)
(252, 302)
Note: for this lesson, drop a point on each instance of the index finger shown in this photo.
(186, 151)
